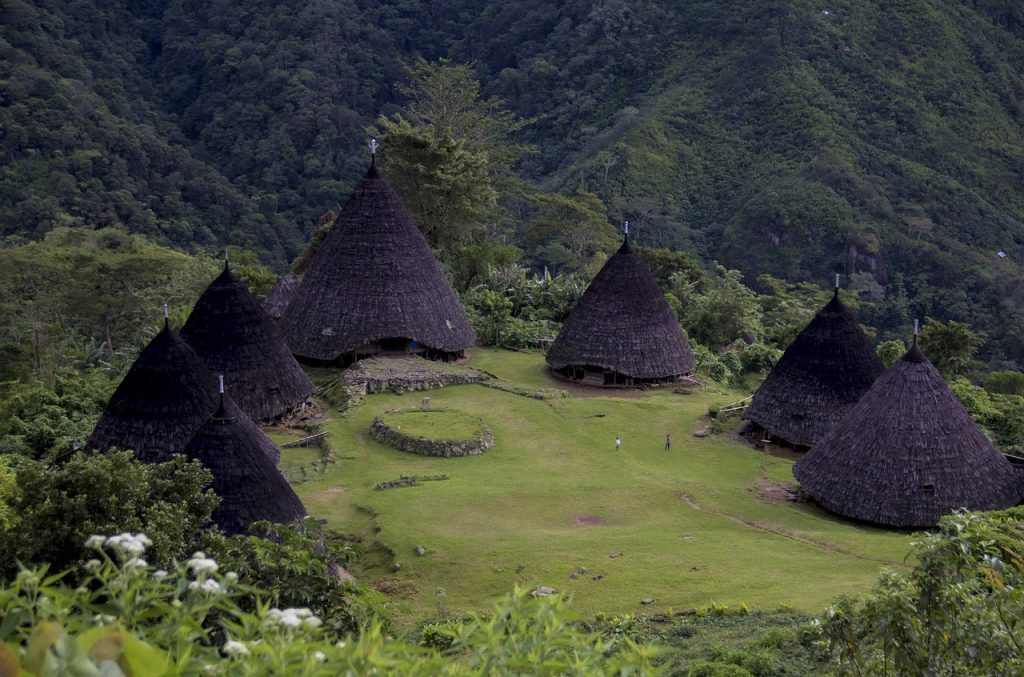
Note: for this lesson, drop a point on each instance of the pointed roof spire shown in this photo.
(373, 158)
(166, 315)
(226, 267)
(914, 354)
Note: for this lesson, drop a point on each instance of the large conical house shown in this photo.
(234, 337)
(163, 400)
(280, 295)
(373, 286)
(820, 377)
(622, 331)
(242, 461)
(907, 454)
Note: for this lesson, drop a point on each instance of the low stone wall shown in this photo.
(385, 434)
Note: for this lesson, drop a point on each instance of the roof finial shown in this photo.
(220, 380)
(166, 315)
(917, 328)
(625, 227)
(225, 259)
(837, 280)
(373, 151)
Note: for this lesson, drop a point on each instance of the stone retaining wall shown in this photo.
(385, 434)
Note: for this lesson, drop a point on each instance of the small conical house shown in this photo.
(373, 286)
(234, 337)
(823, 373)
(163, 400)
(280, 295)
(622, 331)
(907, 454)
(242, 461)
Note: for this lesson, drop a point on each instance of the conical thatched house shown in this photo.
(242, 461)
(820, 377)
(234, 337)
(622, 332)
(907, 454)
(163, 400)
(280, 295)
(373, 286)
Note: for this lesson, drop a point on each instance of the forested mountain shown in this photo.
(790, 137)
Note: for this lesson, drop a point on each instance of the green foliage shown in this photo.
(58, 508)
(443, 182)
(51, 421)
(8, 493)
(788, 308)
(129, 619)
(950, 346)
(759, 358)
(1005, 382)
(72, 300)
(299, 566)
(725, 312)
(570, 231)
(1001, 416)
(959, 611)
(890, 351)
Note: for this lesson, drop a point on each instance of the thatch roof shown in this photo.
(907, 454)
(280, 295)
(242, 461)
(163, 400)
(820, 377)
(373, 277)
(234, 337)
(623, 323)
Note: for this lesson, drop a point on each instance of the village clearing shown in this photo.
(553, 504)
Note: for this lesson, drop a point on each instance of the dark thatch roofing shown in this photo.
(373, 277)
(624, 324)
(280, 295)
(242, 461)
(163, 400)
(820, 377)
(234, 337)
(907, 454)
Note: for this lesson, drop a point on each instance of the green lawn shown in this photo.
(553, 498)
(434, 424)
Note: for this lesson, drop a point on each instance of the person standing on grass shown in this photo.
(618, 443)
(668, 441)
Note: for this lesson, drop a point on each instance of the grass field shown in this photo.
(553, 503)
(434, 424)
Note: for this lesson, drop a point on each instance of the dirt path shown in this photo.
(785, 533)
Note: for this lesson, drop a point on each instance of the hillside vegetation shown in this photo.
(787, 137)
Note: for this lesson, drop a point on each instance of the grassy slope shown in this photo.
(554, 461)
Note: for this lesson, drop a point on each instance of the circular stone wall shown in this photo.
(388, 430)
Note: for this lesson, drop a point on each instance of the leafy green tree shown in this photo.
(8, 492)
(569, 231)
(950, 346)
(448, 153)
(445, 184)
(1005, 382)
(788, 308)
(725, 312)
(890, 351)
(57, 509)
(960, 610)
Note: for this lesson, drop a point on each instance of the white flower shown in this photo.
(320, 656)
(274, 615)
(129, 544)
(210, 586)
(95, 541)
(231, 576)
(340, 645)
(199, 554)
(290, 620)
(302, 612)
(103, 619)
(135, 563)
(202, 565)
(176, 604)
(312, 622)
(233, 648)
(92, 565)
(159, 574)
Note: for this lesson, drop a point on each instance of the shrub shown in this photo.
(1005, 382)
